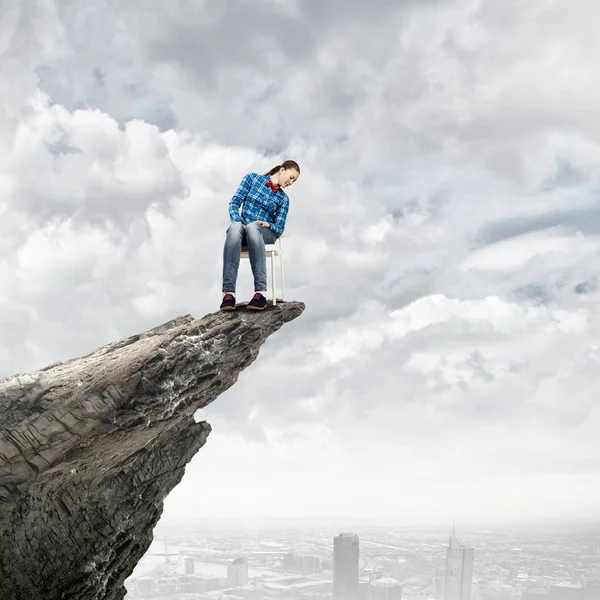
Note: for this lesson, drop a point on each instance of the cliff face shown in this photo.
(90, 448)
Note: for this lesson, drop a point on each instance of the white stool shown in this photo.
(272, 251)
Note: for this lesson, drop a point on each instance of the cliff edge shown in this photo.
(89, 449)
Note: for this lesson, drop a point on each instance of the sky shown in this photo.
(444, 235)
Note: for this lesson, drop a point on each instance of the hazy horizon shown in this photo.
(424, 523)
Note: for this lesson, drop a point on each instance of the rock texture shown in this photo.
(90, 448)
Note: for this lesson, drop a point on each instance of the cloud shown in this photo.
(82, 166)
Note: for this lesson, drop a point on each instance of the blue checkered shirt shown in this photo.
(259, 203)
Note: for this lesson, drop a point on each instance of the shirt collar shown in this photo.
(267, 177)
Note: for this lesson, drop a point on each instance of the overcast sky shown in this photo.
(444, 235)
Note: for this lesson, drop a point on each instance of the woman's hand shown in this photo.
(264, 224)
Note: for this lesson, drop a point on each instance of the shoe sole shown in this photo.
(228, 308)
(255, 307)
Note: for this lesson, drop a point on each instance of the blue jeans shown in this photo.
(254, 236)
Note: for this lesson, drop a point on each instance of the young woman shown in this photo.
(264, 207)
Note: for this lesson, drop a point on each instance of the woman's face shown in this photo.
(287, 176)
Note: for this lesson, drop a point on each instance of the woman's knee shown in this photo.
(253, 229)
(235, 229)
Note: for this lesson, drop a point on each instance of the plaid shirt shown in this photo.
(259, 203)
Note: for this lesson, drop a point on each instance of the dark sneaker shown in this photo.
(258, 302)
(228, 302)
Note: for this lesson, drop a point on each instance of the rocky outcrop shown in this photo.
(90, 448)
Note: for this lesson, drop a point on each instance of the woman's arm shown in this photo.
(238, 199)
(279, 225)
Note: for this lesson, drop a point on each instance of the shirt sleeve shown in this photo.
(238, 199)
(279, 225)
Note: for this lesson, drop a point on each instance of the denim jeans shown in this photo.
(254, 236)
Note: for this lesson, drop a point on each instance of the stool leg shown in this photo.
(281, 272)
(273, 278)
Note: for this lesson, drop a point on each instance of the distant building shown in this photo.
(386, 588)
(216, 583)
(167, 586)
(188, 565)
(437, 587)
(189, 584)
(309, 563)
(459, 570)
(237, 572)
(573, 591)
(303, 561)
(145, 586)
(345, 567)
(288, 560)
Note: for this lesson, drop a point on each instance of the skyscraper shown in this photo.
(459, 570)
(345, 567)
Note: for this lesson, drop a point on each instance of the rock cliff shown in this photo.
(89, 449)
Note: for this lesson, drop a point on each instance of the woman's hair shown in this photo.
(286, 164)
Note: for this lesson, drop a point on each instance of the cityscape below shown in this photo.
(198, 562)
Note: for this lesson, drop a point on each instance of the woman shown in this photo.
(264, 207)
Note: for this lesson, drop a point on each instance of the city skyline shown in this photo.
(391, 564)
(444, 236)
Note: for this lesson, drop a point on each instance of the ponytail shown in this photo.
(286, 164)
